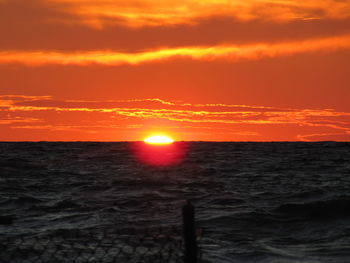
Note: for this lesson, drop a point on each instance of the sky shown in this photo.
(209, 70)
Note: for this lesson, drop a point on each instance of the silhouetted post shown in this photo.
(189, 232)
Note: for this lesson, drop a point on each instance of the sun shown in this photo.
(158, 139)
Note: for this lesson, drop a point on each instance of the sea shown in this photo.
(284, 202)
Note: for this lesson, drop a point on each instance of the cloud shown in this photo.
(186, 112)
(340, 136)
(135, 116)
(153, 13)
(17, 120)
(46, 25)
(220, 52)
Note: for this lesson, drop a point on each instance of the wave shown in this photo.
(250, 198)
(321, 209)
(24, 201)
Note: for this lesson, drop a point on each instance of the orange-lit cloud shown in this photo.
(239, 121)
(221, 52)
(343, 136)
(13, 120)
(166, 12)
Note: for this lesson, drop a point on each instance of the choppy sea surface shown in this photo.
(256, 202)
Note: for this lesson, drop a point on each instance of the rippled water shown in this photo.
(256, 202)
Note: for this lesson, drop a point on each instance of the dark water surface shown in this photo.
(257, 202)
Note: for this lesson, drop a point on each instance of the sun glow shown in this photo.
(159, 150)
(158, 140)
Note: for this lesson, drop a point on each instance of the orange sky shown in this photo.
(116, 70)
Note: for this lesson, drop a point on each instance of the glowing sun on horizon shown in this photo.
(158, 139)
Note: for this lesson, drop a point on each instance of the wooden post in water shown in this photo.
(189, 233)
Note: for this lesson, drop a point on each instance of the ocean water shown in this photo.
(255, 202)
